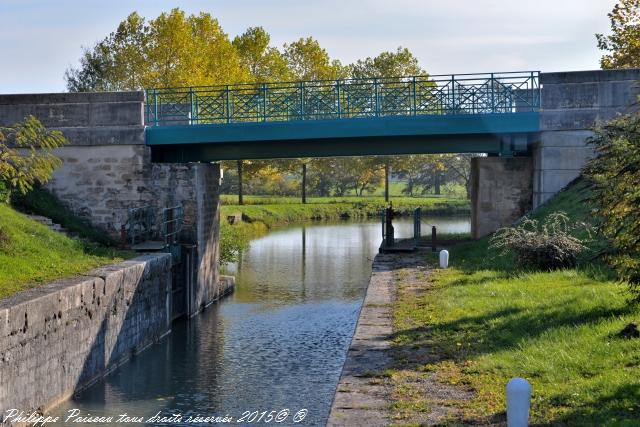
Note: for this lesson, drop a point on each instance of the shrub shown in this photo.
(5, 192)
(234, 239)
(615, 174)
(547, 245)
(26, 155)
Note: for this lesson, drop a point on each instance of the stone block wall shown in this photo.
(103, 118)
(207, 179)
(572, 103)
(101, 183)
(61, 337)
(501, 190)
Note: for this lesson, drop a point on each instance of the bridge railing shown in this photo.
(492, 93)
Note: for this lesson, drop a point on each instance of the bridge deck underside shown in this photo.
(486, 133)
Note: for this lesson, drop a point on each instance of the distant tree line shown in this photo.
(341, 176)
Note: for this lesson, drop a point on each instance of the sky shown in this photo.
(40, 39)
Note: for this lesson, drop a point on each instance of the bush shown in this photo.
(547, 245)
(26, 155)
(615, 174)
(234, 239)
(5, 192)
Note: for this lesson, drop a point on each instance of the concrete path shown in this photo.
(362, 398)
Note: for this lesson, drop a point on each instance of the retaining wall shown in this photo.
(62, 337)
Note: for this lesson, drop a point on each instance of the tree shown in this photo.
(387, 64)
(26, 155)
(114, 63)
(295, 167)
(419, 170)
(459, 165)
(265, 63)
(320, 178)
(615, 173)
(359, 174)
(172, 50)
(623, 44)
(307, 60)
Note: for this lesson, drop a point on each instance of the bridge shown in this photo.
(155, 148)
(495, 113)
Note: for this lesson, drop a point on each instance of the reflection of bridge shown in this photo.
(491, 113)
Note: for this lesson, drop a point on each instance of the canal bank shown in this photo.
(62, 337)
(366, 394)
(460, 334)
(359, 400)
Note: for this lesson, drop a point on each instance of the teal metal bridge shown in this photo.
(492, 113)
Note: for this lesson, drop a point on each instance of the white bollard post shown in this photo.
(518, 402)
(444, 258)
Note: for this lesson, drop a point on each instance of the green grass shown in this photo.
(485, 322)
(41, 202)
(31, 254)
(283, 210)
(449, 190)
(230, 199)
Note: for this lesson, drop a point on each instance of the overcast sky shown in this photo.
(39, 40)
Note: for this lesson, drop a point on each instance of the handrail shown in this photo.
(491, 93)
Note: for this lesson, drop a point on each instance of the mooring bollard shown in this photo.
(518, 402)
(433, 238)
(444, 258)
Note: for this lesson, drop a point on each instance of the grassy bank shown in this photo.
(282, 210)
(32, 254)
(481, 322)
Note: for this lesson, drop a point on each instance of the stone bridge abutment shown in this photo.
(572, 103)
(107, 170)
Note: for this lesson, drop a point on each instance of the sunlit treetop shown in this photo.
(623, 44)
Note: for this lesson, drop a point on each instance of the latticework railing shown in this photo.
(493, 93)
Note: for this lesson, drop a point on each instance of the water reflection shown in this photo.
(278, 342)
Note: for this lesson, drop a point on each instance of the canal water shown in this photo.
(277, 344)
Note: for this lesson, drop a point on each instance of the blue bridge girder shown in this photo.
(492, 113)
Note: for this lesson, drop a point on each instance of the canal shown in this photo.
(278, 343)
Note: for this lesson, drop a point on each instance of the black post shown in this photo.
(433, 238)
(240, 200)
(304, 183)
(386, 180)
